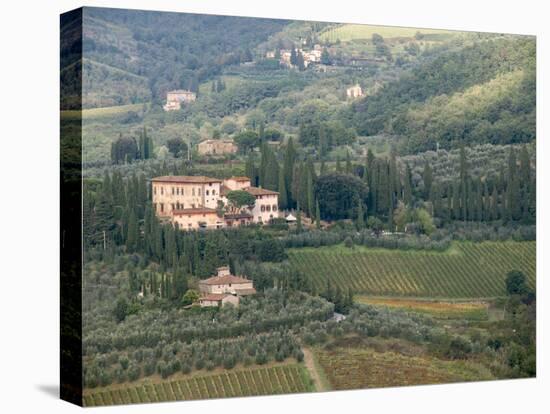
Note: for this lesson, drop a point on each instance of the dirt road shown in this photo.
(309, 362)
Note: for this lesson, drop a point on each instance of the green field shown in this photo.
(278, 379)
(349, 32)
(101, 113)
(354, 368)
(466, 270)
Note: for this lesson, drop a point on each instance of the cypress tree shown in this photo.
(323, 143)
(360, 222)
(348, 163)
(250, 170)
(317, 215)
(132, 232)
(407, 186)
(283, 202)
(298, 218)
(512, 189)
(288, 167)
(463, 184)
(271, 172)
(427, 177)
(309, 188)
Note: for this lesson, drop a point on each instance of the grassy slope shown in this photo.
(466, 270)
(347, 32)
(470, 310)
(106, 112)
(278, 379)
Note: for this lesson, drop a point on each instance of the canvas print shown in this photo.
(259, 206)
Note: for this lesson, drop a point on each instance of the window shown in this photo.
(161, 190)
(193, 190)
(207, 192)
(162, 207)
(262, 209)
(155, 190)
(173, 206)
(172, 190)
(274, 207)
(199, 191)
(267, 208)
(213, 192)
(178, 191)
(182, 193)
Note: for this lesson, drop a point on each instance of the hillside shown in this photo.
(167, 50)
(436, 81)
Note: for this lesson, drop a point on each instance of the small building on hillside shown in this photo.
(224, 288)
(354, 91)
(174, 99)
(217, 147)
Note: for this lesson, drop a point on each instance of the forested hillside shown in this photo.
(482, 93)
(168, 50)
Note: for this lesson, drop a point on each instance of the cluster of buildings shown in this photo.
(217, 147)
(174, 99)
(199, 202)
(224, 288)
(310, 56)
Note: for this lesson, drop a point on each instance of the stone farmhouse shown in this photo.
(197, 202)
(224, 288)
(310, 56)
(217, 147)
(354, 92)
(175, 98)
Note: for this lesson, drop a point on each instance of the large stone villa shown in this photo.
(224, 288)
(196, 202)
(217, 147)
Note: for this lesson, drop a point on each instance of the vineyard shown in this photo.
(279, 379)
(477, 311)
(353, 368)
(466, 270)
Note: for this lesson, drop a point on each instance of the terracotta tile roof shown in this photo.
(224, 280)
(233, 216)
(245, 292)
(239, 178)
(193, 179)
(215, 297)
(224, 190)
(199, 210)
(256, 191)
